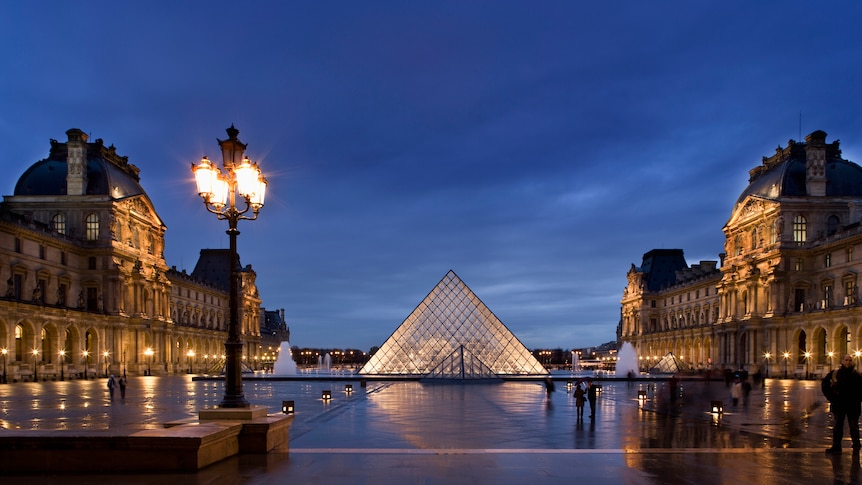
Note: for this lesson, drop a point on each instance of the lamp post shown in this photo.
(807, 356)
(86, 355)
(62, 364)
(219, 192)
(786, 356)
(766, 357)
(4, 351)
(35, 354)
(831, 355)
(105, 358)
(149, 353)
(190, 355)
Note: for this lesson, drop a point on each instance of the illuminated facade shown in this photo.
(785, 298)
(82, 255)
(453, 335)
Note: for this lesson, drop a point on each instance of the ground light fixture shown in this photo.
(348, 388)
(287, 407)
(326, 395)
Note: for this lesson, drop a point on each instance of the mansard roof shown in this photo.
(107, 172)
(783, 174)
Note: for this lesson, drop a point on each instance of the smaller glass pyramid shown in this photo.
(452, 335)
(669, 364)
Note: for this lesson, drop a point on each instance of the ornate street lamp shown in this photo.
(35, 354)
(149, 352)
(62, 364)
(105, 358)
(4, 351)
(190, 356)
(807, 356)
(786, 356)
(766, 357)
(219, 192)
(86, 355)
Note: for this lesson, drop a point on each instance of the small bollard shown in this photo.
(362, 383)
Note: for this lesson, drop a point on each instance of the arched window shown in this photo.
(800, 229)
(92, 223)
(58, 223)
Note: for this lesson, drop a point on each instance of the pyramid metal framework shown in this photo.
(452, 335)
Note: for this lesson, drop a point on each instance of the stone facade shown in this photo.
(87, 286)
(785, 298)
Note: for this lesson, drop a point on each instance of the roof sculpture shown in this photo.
(452, 335)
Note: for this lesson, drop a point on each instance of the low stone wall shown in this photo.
(182, 447)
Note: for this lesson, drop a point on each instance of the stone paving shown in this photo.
(506, 432)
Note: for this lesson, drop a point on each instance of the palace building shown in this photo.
(784, 298)
(87, 288)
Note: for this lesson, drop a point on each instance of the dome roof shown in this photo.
(107, 173)
(784, 174)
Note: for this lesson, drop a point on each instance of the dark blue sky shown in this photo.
(538, 149)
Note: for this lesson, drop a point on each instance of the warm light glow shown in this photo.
(830, 354)
(4, 352)
(105, 354)
(786, 355)
(35, 352)
(205, 177)
(190, 353)
(767, 356)
(62, 353)
(149, 351)
(807, 354)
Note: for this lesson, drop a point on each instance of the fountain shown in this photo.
(284, 364)
(627, 361)
(576, 362)
(326, 363)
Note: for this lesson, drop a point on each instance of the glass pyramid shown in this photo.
(452, 335)
(669, 364)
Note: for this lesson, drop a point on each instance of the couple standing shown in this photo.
(843, 388)
(585, 390)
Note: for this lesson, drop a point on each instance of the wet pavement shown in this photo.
(505, 432)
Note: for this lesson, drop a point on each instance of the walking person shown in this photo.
(111, 384)
(591, 397)
(549, 386)
(842, 388)
(580, 397)
(735, 391)
(123, 387)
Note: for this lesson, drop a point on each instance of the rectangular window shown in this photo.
(850, 254)
(800, 264)
(63, 258)
(18, 283)
(17, 245)
(91, 262)
(652, 303)
(827, 260)
(41, 252)
(849, 292)
(799, 300)
(92, 299)
(827, 296)
(61, 294)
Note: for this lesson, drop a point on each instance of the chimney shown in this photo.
(76, 159)
(815, 163)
